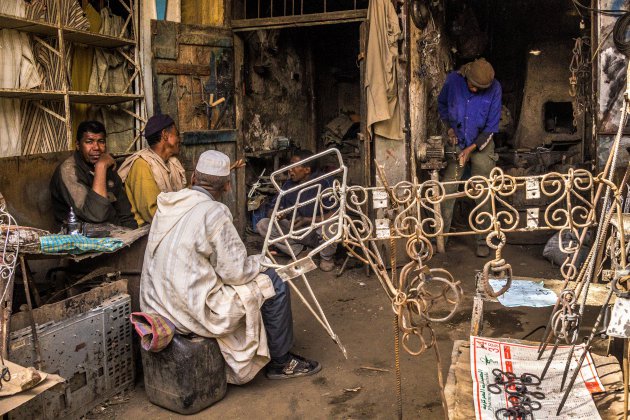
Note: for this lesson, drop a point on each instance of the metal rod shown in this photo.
(440, 242)
(587, 348)
(37, 355)
(567, 367)
(626, 370)
(598, 193)
(553, 352)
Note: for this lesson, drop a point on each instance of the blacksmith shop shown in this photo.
(314, 209)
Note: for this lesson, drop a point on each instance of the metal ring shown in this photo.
(496, 234)
(527, 378)
(494, 388)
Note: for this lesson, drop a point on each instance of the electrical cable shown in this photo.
(619, 34)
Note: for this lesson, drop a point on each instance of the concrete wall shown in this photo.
(276, 103)
(24, 183)
(546, 81)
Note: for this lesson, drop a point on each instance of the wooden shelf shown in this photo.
(96, 40)
(26, 25)
(31, 94)
(71, 34)
(312, 19)
(101, 98)
(95, 98)
(50, 32)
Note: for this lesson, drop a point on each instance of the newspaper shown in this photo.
(488, 354)
(524, 293)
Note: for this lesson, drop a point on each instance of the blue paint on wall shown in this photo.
(160, 6)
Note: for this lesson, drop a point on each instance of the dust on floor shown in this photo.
(363, 386)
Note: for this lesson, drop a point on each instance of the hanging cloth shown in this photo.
(383, 110)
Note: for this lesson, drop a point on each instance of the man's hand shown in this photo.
(465, 154)
(238, 164)
(99, 184)
(105, 161)
(452, 136)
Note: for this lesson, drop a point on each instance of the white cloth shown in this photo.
(169, 176)
(197, 274)
(381, 85)
(213, 162)
(17, 70)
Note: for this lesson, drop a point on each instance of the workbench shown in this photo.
(459, 384)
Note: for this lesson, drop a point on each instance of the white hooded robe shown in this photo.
(197, 274)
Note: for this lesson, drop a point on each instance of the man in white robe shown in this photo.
(197, 274)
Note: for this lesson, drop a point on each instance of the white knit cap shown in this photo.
(212, 162)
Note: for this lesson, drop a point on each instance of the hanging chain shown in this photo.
(427, 46)
(580, 68)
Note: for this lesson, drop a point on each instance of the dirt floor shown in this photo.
(363, 386)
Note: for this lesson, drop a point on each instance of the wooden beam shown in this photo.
(205, 40)
(312, 19)
(162, 67)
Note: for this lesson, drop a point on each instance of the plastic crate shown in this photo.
(92, 351)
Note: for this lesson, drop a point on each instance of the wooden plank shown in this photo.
(208, 136)
(166, 67)
(207, 30)
(26, 25)
(192, 112)
(205, 40)
(102, 98)
(70, 307)
(299, 20)
(366, 149)
(240, 219)
(31, 94)
(166, 95)
(94, 39)
(164, 43)
(71, 34)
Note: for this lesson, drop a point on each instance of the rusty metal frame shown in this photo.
(9, 247)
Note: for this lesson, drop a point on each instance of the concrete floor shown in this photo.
(361, 315)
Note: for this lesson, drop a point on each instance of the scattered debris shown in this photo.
(374, 369)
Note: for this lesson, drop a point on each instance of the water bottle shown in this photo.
(74, 225)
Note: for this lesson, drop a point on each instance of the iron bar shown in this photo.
(587, 348)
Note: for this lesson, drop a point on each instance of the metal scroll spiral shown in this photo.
(492, 190)
(9, 246)
(423, 295)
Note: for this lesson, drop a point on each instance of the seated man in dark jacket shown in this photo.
(300, 175)
(88, 183)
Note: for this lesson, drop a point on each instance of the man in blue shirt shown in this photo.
(470, 106)
(299, 175)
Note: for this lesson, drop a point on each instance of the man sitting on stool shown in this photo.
(197, 274)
